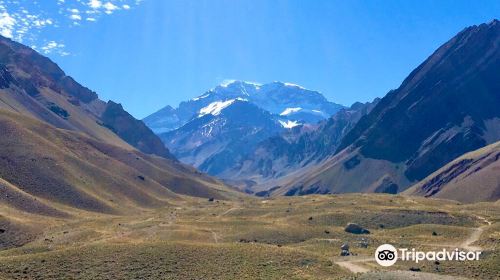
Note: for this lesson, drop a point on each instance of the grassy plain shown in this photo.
(249, 238)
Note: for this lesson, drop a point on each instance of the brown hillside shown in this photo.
(58, 167)
(33, 85)
(472, 177)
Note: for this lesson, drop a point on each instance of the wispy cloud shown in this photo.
(53, 46)
(7, 23)
(23, 20)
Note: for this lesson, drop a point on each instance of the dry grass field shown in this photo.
(248, 238)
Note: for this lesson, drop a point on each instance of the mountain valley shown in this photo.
(249, 180)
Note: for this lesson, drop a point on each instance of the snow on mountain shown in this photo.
(223, 133)
(217, 129)
(226, 83)
(289, 124)
(277, 98)
(293, 85)
(215, 108)
(288, 111)
(200, 97)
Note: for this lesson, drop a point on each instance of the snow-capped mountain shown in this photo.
(217, 129)
(292, 103)
(221, 134)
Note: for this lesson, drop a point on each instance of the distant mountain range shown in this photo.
(292, 104)
(215, 131)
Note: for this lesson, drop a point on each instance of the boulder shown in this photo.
(356, 229)
(344, 253)
(415, 269)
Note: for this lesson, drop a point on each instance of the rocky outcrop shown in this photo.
(133, 131)
(355, 229)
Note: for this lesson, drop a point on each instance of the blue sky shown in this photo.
(149, 53)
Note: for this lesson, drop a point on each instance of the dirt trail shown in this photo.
(214, 236)
(203, 217)
(359, 266)
(474, 236)
(354, 267)
(229, 211)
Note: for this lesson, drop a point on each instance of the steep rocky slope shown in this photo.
(449, 105)
(472, 177)
(33, 85)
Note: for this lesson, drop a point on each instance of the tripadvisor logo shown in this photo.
(387, 255)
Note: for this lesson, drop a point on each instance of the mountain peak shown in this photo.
(275, 97)
(287, 84)
(494, 23)
(228, 83)
(240, 83)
